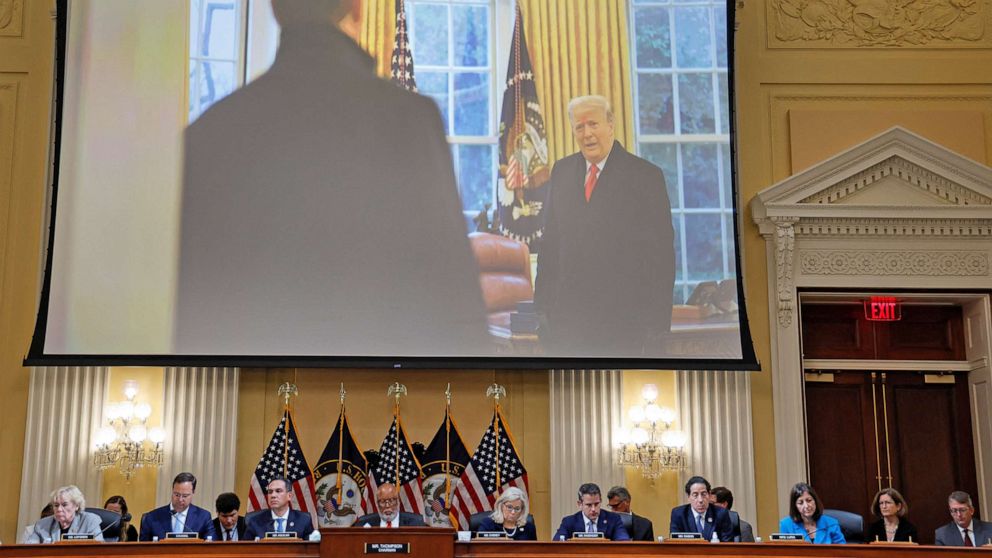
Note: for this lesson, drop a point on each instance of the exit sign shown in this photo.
(883, 309)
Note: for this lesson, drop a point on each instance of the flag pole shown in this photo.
(340, 487)
(397, 390)
(286, 390)
(496, 391)
(447, 445)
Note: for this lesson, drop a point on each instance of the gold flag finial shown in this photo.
(288, 390)
(496, 391)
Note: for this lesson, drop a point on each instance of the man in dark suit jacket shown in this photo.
(388, 503)
(722, 496)
(180, 516)
(641, 528)
(330, 195)
(964, 524)
(281, 518)
(606, 268)
(229, 525)
(590, 518)
(698, 516)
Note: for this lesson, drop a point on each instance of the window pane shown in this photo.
(679, 226)
(471, 33)
(731, 260)
(692, 37)
(696, 104)
(704, 247)
(700, 178)
(475, 175)
(435, 85)
(724, 103)
(728, 196)
(652, 37)
(195, 19)
(220, 30)
(194, 97)
(720, 25)
(655, 112)
(665, 156)
(217, 80)
(430, 34)
(472, 104)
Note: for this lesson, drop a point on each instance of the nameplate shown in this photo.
(579, 535)
(787, 537)
(78, 537)
(280, 535)
(387, 548)
(685, 537)
(182, 536)
(490, 535)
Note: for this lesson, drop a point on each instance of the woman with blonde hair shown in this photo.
(69, 518)
(510, 516)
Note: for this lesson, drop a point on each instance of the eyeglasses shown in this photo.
(513, 509)
(959, 511)
(390, 502)
(181, 496)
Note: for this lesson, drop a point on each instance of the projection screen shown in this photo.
(240, 182)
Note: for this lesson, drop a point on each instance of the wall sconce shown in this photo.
(651, 445)
(126, 442)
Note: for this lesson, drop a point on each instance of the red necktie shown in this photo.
(591, 180)
(967, 539)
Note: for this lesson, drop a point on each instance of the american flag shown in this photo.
(284, 458)
(401, 68)
(396, 457)
(478, 488)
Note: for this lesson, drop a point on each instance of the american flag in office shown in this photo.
(284, 458)
(478, 487)
(401, 68)
(396, 458)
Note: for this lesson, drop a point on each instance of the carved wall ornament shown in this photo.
(881, 23)
(910, 173)
(11, 16)
(855, 226)
(785, 242)
(936, 263)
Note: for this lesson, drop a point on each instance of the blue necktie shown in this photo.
(279, 522)
(699, 523)
(176, 524)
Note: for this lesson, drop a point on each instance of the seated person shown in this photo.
(46, 511)
(180, 516)
(723, 497)
(591, 519)
(510, 515)
(388, 501)
(119, 504)
(229, 525)
(698, 516)
(892, 526)
(806, 518)
(964, 530)
(641, 528)
(281, 518)
(68, 504)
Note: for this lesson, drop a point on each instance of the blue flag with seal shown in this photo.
(342, 488)
(443, 463)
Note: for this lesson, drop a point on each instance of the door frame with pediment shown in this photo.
(895, 212)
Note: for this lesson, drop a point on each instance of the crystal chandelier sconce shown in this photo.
(651, 444)
(126, 443)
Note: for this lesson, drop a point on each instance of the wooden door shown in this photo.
(868, 430)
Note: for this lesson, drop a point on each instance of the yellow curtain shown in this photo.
(378, 32)
(579, 47)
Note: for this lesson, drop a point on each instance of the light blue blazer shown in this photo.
(827, 530)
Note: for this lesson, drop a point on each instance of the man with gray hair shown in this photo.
(964, 530)
(606, 265)
(641, 528)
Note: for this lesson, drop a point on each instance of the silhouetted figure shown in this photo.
(299, 188)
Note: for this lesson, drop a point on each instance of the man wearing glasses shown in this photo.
(964, 530)
(388, 502)
(180, 516)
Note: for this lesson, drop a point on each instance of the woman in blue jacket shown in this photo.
(806, 518)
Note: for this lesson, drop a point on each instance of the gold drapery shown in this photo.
(378, 32)
(579, 47)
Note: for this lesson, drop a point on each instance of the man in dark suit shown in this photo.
(281, 518)
(387, 501)
(964, 530)
(723, 497)
(698, 516)
(320, 213)
(641, 528)
(591, 519)
(229, 525)
(606, 267)
(180, 516)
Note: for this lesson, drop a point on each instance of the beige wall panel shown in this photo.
(25, 59)
(370, 414)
